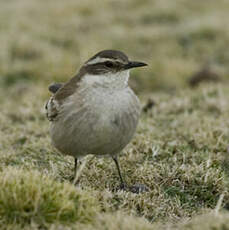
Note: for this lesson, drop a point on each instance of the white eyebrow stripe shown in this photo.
(98, 60)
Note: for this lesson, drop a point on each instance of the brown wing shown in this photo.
(61, 92)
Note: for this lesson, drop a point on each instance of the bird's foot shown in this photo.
(123, 187)
(137, 188)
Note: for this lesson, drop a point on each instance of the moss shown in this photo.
(28, 197)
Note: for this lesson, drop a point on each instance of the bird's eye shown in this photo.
(109, 64)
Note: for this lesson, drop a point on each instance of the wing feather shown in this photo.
(60, 93)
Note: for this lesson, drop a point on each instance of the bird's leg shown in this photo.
(137, 188)
(73, 176)
(78, 171)
(75, 169)
(75, 179)
(122, 185)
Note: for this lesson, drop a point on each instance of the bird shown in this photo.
(95, 112)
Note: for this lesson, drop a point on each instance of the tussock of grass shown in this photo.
(206, 222)
(119, 221)
(28, 197)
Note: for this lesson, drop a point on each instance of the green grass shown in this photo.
(29, 197)
(180, 150)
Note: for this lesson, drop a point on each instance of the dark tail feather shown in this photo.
(53, 88)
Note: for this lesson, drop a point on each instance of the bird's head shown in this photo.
(109, 68)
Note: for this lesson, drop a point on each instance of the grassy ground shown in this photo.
(180, 150)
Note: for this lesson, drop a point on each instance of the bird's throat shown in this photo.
(117, 80)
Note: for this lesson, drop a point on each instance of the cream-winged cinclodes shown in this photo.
(96, 112)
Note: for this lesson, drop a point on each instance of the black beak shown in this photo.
(134, 64)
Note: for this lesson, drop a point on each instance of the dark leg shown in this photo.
(75, 169)
(122, 186)
(77, 172)
(137, 188)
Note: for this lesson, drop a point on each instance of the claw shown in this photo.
(137, 188)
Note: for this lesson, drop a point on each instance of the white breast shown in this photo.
(97, 121)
